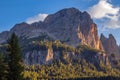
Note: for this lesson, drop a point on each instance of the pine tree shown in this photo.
(2, 68)
(15, 60)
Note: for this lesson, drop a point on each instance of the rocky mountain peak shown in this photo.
(68, 11)
(65, 14)
(110, 44)
(102, 37)
(111, 37)
(86, 14)
(64, 26)
(20, 25)
(20, 28)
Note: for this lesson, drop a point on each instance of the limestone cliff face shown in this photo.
(38, 56)
(49, 56)
(73, 27)
(91, 39)
(34, 57)
(110, 44)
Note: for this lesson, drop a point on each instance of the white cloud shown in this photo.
(113, 23)
(104, 9)
(37, 18)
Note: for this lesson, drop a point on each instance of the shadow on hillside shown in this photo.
(95, 78)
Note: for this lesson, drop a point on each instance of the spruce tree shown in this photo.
(15, 59)
(2, 68)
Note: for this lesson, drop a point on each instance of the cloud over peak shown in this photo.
(104, 9)
(36, 18)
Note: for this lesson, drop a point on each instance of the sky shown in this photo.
(105, 13)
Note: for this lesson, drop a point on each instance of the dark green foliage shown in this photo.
(98, 78)
(15, 60)
(3, 68)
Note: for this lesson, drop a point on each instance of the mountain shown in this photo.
(68, 25)
(110, 45)
(65, 45)
(73, 27)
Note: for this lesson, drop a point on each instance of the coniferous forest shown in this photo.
(12, 66)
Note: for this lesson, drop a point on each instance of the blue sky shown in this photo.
(16, 11)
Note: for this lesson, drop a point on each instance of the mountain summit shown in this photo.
(110, 44)
(73, 27)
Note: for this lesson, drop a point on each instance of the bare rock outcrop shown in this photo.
(110, 44)
(73, 27)
(49, 56)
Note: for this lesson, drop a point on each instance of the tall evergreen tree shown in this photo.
(2, 68)
(15, 59)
